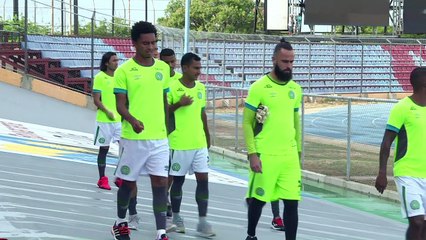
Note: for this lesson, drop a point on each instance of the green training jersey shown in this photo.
(144, 87)
(409, 120)
(277, 134)
(188, 132)
(175, 77)
(104, 84)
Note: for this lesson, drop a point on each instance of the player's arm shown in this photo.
(166, 109)
(121, 100)
(206, 126)
(249, 116)
(381, 180)
(298, 129)
(98, 103)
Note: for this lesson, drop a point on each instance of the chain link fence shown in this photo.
(341, 135)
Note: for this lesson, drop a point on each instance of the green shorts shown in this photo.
(280, 178)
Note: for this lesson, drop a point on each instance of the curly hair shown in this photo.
(142, 27)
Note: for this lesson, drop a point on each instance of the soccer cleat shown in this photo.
(204, 230)
(178, 221)
(134, 222)
(118, 182)
(103, 183)
(251, 238)
(162, 237)
(277, 224)
(121, 231)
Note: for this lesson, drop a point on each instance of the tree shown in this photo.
(14, 25)
(104, 28)
(230, 16)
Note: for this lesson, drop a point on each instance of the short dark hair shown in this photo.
(188, 58)
(283, 44)
(167, 52)
(105, 59)
(418, 78)
(142, 27)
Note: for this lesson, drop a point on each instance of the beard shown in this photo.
(283, 75)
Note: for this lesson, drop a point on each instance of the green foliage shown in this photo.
(14, 25)
(230, 16)
(103, 28)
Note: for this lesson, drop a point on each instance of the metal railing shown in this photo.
(341, 135)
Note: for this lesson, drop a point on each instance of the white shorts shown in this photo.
(412, 192)
(105, 133)
(189, 161)
(142, 157)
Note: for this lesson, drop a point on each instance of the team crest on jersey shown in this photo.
(176, 167)
(200, 95)
(415, 205)
(125, 170)
(291, 94)
(260, 191)
(159, 76)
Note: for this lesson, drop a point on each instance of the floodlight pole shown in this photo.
(187, 28)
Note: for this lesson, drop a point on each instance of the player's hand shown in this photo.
(110, 115)
(185, 100)
(255, 163)
(137, 126)
(381, 182)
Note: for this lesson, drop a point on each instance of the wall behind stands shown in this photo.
(46, 88)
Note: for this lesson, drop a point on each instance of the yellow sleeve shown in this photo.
(248, 122)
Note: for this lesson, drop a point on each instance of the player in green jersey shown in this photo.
(108, 121)
(168, 56)
(407, 124)
(141, 95)
(271, 124)
(189, 141)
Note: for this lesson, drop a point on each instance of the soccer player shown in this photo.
(407, 123)
(168, 56)
(271, 124)
(189, 141)
(108, 121)
(142, 102)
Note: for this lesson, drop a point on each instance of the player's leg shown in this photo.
(412, 205)
(170, 182)
(176, 200)
(288, 187)
(291, 218)
(277, 221)
(134, 219)
(415, 228)
(254, 212)
(200, 161)
(157, 166)
(103, 136)
(128, 168)
(180, 163)
(261, 190)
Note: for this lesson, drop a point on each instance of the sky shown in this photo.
(43, 10)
